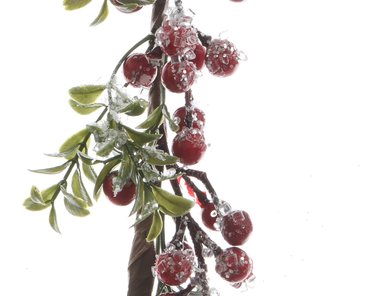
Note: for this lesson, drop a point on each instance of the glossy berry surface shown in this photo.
(233, 265)
(174, 267)
(199, 56)
(138, 71)
(197, 117)
(123, 197)
(120, 5)
(209, 216)
(178, 77)
(189, 147)
(176, 37)
(236, 226)
(222, 59)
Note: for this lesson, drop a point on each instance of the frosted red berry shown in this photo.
(125, 8)
(209, 216)
(199, 56)
(189, 146)
(233, 265)
(178, 77)
(123, 197)
(138, 71)
(222, 58)
(176, 37)
(197, 117)
(236, 226)
(174, 267)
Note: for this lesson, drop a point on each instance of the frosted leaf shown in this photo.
(169, 173)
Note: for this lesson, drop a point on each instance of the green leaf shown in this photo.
(175, 204)
(65, 154)
(153, 120)
(52, 170)
(75, 4)
(102, 14)
(86, 94)
(135, 108)
(53, 219)
(48, 193)
(126, 169)
(84, 109)
(156, 227)
(87, 159)
(31, 206)
(89, 172)
(159, 157)
(79, 189)
(76, 206)
(173, 125)
(140, 138)
(143, 216)
(36, 196)
(105, 148)
(140, 198)
(103, 173)
(73, 142)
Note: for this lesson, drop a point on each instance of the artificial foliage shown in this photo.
(128, 164)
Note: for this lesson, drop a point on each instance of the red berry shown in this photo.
(234, 265)
(198, 118)
(209, 215)
(123, 197)
(125, 8)
(176, 37)
(138, 71)
(222, 58)
(236, 226)
(174, 267)
(189, 146)
(200, 56)
(178, 77)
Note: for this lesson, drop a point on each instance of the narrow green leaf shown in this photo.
(140, 218)
(139, 200)
(75, 4)
(73, 141)
(87, 159)
(135, 108)
(106, 147)
(53, 219)
(52, 170)
(159, 157)
(153, 120)
(175, 204)
(173, 125)
(103, 173)
(79, 189)
(86, 94)
(76, 206)
(126, 169)
(48, 193)
(31, 206)
(104, 11)
(65, 154)
(84, 109)
(89, 172)
(156, 227)
(36, 196)
(140, 138)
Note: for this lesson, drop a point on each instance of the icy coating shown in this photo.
(236, 227)
(178, 77)
(138, 71)
(222, 58)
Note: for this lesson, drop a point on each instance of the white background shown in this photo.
(289, 135)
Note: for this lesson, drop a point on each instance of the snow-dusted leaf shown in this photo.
(86, 94)
(84, 109)
(52, 170)
(104, 11)
(153, 120)
(140, 138)
(140, 198)
(156, 227)
(103, 173)
(53, 219)
(158, 157)
(73, 141)
(75, 4)
(135, 108)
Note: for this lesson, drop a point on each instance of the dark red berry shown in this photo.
(176, 37)
(197, 117)
(123, 197)
(189, 146)
(200, 56)
(125, 8)
(174, 267)
(222, 58)
(234, 265)
(236, 226)
(178, 77)
(209, 215)
(138, 71)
